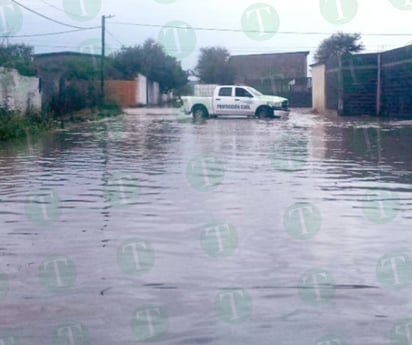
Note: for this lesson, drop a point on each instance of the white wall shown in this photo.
(319, 88)
(19, 93)
(167, 97)
(148, 92)
(141, 97)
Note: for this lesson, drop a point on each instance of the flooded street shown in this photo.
(152, 228)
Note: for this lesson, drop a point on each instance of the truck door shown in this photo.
(244, 99)
(224, 101)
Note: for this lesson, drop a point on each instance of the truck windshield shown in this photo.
(254, 92)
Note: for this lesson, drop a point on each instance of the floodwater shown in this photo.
(152, 228)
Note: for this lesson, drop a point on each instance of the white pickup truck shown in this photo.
(234, 100)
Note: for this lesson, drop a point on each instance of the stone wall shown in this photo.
(19, 93)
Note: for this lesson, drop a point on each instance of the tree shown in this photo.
(151, 60)
(18, 56)
(80, 68)
(213, 66)
(338, 44)
(161, 67)
(125, 63)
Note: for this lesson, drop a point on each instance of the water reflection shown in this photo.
(150, 227)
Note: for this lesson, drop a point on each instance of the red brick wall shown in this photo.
(122, 91)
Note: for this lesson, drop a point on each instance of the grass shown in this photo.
(13, 126)
(16, 126)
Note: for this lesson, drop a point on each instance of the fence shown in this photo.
(371, 84)
(123, 92)
(396, 79)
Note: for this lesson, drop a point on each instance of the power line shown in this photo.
(47, 33)
(48, 18)
(254, 31)
(65, 11)
(115, 38)
(52, 6)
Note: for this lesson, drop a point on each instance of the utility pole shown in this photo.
(379, 85)
(103, 57)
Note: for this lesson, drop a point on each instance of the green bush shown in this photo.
(18, 56)
(17, 126)
(13, 126)
(74, 96)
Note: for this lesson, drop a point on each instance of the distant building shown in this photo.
(53, 70)
(277, 65)
(68, 76)
(283, 74)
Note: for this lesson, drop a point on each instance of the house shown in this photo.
(61, 70)
(74, 78)
(283, 74)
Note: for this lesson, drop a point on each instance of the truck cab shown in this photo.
(234, 100)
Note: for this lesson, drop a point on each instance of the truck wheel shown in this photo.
(200, 112)
(264, 112)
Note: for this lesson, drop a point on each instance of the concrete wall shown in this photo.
(167, 97)
(19, 93)
(319, 88)
(153, 93)
(396, 82)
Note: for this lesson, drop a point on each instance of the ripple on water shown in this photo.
(178, 193)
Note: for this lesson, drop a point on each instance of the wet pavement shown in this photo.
(152, 228)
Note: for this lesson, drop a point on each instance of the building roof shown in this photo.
(270, 54)
(66, 53)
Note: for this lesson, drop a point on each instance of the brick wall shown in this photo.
(371, 84)
(123, 92)
(397, 82)
(359, 77)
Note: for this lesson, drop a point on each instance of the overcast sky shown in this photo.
(184, 26)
